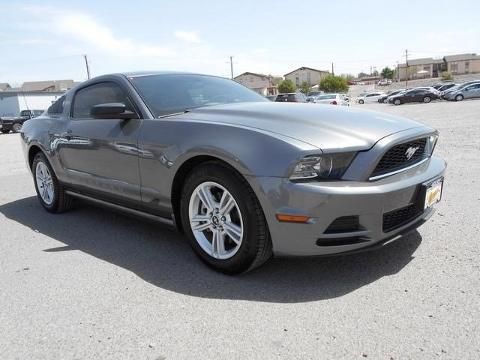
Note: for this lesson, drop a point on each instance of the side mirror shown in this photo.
(112, 111)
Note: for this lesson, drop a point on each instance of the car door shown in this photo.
(101, 155)
(472, 91)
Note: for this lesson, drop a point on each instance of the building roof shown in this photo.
(49, 85)
(254, 74)
(462, 57)
(17, 92)
(306, 68)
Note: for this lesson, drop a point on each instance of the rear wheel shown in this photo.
(223, 220)
(50, 192)
(459, 98)
(397, 102)
(5, 131)
(17, 127)
(427, 99)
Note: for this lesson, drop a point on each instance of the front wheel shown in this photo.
(459, 98)
(50, 192)
(361, 101)
(223, 220)
(17, 127)
(397, 102)
(5, 131)
(427, 99)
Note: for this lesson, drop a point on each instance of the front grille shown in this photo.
(343, 224)
(396, 218)
(397, 157)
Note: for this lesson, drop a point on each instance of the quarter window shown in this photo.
(102, 93)
(57, 107)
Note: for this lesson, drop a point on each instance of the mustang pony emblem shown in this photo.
(411, 151)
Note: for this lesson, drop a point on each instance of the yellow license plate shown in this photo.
(433, 193)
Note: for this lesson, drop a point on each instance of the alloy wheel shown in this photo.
(44, 183)
(216, 220)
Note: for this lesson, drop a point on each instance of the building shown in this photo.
(462, 63)
(14, 101)
(431, 68)
(49, 85)
(306, 74)
(421, 68)
(262, 84)
(5, 86)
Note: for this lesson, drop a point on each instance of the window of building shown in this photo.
(454, 67)
(467, 66)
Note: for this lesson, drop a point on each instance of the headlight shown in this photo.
(432, 141)
(322, 167)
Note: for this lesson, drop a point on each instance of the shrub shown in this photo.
(286, 86)
(332, 83)
(447, 76)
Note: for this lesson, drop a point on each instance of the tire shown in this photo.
(427, 99)
(252, 248)
(385, 101)
(459, 98)
(5, 131)
(397, 102)
(361, 101)
(58, 201)
(16, 127)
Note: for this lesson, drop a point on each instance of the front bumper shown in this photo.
(326, 202)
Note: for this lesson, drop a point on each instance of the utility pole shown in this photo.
(231, 66)
(406, 69)
(333, 72)
(86, 66)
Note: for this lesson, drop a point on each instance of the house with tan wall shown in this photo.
(262, 84)
(305, 74)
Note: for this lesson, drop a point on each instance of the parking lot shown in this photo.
(91, 283)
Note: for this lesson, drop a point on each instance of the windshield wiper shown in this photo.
(173, 114)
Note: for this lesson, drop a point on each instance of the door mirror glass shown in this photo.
(112, 111)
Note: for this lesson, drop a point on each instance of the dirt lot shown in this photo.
(92, 284)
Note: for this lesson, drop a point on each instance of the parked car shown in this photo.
(370, 97)
(424, 95)
(14, 123)
(291, 97)
(312, 94)
(384, 98)
(332, 99)
(445, 93)
(384, 82)
(445, 87)
(241, 176)
(271, 97)
(468, 92)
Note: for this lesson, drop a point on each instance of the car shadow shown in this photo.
(162, 257)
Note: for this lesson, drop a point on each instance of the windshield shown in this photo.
(173, 93)
(324, 97)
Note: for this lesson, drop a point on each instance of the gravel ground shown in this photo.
(92, 284)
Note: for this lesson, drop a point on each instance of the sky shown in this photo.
(45, 40)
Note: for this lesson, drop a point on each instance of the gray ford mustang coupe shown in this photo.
(243, 177)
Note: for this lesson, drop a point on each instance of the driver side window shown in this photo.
(102, 93)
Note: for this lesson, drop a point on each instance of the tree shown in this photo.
(286, 86)
(387, 73)
(332, 83)
(362, 75)
(348, 77)
(305, 87)
(375, 73)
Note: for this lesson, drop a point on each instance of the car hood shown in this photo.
(324, 126)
